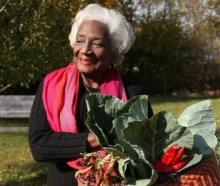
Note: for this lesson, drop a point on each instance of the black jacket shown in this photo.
(57, 148)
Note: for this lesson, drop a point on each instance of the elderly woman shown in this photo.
(58, 133)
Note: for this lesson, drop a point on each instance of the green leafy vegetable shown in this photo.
(199, 120)
(125, 131)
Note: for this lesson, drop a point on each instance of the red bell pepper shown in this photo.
(181, 164)
(163, 169)
(178, 156)
(171, 160)
(169, 154)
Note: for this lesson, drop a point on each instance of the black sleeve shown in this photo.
(150, 110)
(45, 144)
(134, 89)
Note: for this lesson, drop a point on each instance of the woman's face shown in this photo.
(92, 50)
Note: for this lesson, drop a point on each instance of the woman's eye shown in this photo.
(94, 43)
(79, 41)
(97, 44)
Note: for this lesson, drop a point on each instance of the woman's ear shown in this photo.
(113, 55)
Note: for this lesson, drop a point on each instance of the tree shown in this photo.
(33, 36)
(175, 46)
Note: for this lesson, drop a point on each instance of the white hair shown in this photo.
(120, 31)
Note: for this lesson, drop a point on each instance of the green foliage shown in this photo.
(163, 53)
(33, 39)
(177, 46)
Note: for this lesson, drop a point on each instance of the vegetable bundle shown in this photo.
(147, 147)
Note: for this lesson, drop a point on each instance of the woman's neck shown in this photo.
(92, 82)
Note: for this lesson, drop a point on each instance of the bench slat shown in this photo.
(16, 106)
(15, 114)
(6, 103)
(17, 98)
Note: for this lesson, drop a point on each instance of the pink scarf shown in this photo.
(60, 95)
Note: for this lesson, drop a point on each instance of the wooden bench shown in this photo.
(15, 106)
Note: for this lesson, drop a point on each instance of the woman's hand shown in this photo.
(92, 142)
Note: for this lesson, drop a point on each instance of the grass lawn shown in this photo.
(17, 166)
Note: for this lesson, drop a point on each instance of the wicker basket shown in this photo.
(206, 173)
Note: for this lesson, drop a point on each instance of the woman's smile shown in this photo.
(86, 61)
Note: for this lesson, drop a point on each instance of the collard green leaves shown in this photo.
(125, 130)
(101, 112)
(199, 120)
(156, 134)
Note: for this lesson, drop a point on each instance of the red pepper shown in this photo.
(163, 169)
(181, 164)
(170, 161)
(178, 156)
(169, 154)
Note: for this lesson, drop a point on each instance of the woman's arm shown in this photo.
(48, 146)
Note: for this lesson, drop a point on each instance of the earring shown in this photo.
(112, 66)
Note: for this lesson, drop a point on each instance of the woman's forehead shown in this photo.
(93, 28)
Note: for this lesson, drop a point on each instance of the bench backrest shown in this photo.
(15, 106)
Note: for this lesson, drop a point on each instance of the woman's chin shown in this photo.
(87, 71)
